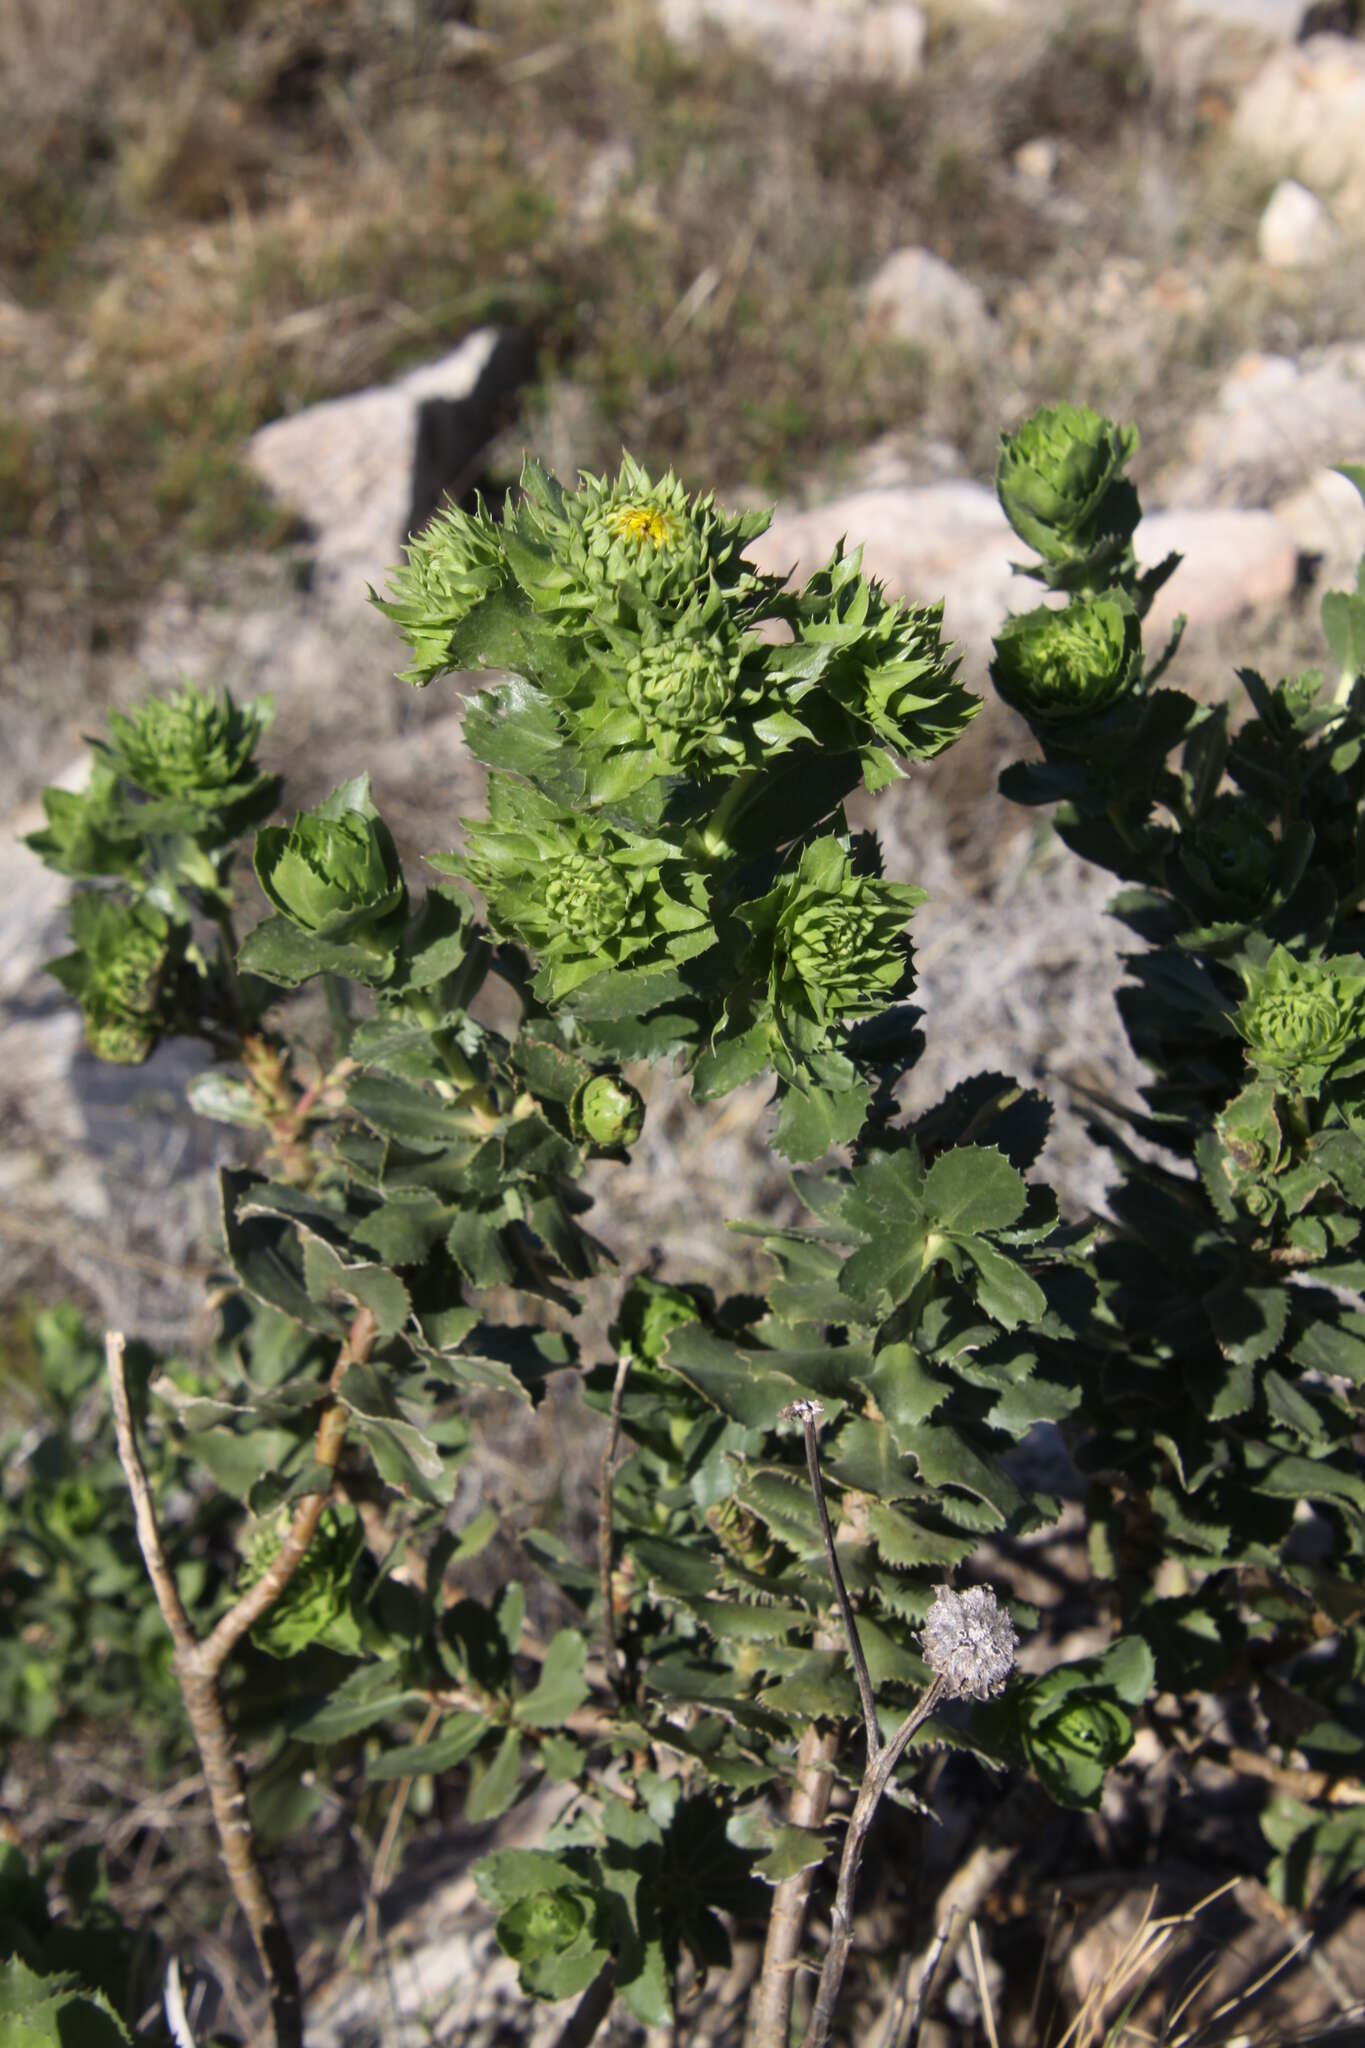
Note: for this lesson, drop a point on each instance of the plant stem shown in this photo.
(876, 1778)
(198, 1664)
(808, 1414)
(610, 1655)
(770, 2013)
(881, 1758)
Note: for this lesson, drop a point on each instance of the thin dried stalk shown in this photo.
(198, 1665)
(605, 1540)
(770, 2013)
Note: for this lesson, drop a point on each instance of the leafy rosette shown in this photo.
(1240, 1156)
(583, 897)
(1072, 1725)
(123, 972)
(91, 831)
(1304, 1019)
(335, 880)
(1232, 855)
(193, 757)
(830, 944)
(335, 871)
(885, 679)
(613, 548)
(451, 566)
(1060, 481)
(318, 1606)
(1065, 669)
(689, 698)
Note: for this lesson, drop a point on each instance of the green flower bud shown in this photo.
(118, 1040)
(1060, 481)
(316, 1606)
(831, 944)
(89, 832)
(883, 665)
(451, 566)
(1232, 853)
(613, 547)
(608, 1111)
(122, 972)
(1300, 1019)
(682, 691)
(335, 871)
(1057, 667)
(195, 747)
(1072, 1749)
(584, 897)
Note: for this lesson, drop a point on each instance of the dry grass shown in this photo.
(213, 211)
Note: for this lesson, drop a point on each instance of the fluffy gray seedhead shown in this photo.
(969, 1642)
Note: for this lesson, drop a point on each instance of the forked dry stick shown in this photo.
(198, 1664)
(969, 1646)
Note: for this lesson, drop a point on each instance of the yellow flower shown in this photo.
(644, 526)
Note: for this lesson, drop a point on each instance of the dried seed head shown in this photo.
(802, 1411)
(969, 1642)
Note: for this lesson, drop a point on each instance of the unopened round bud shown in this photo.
(608, 1111)
(969, 1642)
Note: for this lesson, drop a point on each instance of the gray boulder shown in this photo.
(810, 43)
(364, 472)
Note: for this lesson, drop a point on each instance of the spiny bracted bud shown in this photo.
(1302, 1018)
(830, 943)
(969, 1642)
(451, 566)
(335, 871)
(1061, 483)
(683, 691)
(192, 747)
(883, 665)
(122, 972)
(1057, 667)
(584, 897)
(599, 553)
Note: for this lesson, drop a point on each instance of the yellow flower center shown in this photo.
(644, 525)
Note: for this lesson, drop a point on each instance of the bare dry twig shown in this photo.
(199, 1662)
(770, 2014)
(610, 1655)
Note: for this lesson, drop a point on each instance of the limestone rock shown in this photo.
(1202, 50)
(1295, 229)
(951, 540)
(1326, 516)
(918, 298)
(1234, 562)
(1304, 114)
(811, 43)
(367, 470)
(1275, 422)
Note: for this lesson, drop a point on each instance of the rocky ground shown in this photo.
(816, 250)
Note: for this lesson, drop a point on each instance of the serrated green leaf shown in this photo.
(404, 1456)
(1005, 1291)
(327, 1275)
(742, 1384)
(973, 1188)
